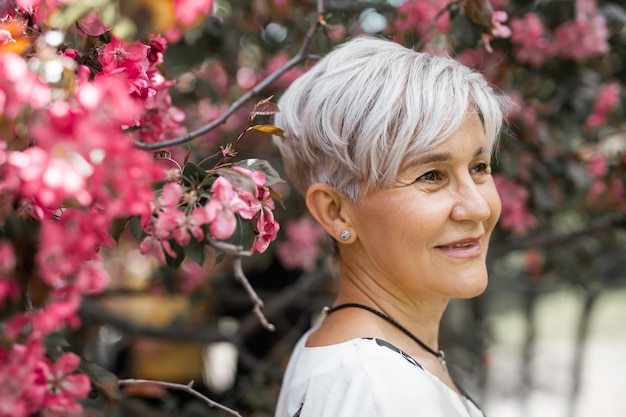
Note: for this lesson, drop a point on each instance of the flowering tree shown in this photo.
(137, 123)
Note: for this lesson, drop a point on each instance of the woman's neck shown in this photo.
(419, 314)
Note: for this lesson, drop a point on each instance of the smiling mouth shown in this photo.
(460, 245)
(468, 248)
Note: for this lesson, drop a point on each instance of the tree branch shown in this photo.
(237, 252)
(249, 325)
(181, 387)
(358, 6)
(551, 239)
(301, 56)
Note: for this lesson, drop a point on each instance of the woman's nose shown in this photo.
(471, 202)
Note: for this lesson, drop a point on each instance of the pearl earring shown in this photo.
(345, 235)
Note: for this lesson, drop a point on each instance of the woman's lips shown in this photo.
(466, 248)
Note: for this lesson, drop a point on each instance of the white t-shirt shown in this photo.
(364, 378)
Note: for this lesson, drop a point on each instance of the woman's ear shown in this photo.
(330, 208)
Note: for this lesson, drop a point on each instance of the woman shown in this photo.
(392, 150)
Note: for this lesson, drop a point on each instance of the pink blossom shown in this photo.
(92, 277)
(170, 195)
(172, 222)
(60, 312)
(7, 9)
(181, 226)
(162, 120)
(515, 215)
(119, 53)
(606, 100)
(222, 208)
(156, 49)
(267, 229)
(62, 382)
(127, 61)
(51, 178)
(152, 244)
(597, 166)
(8, 287)
(8, 290)
(71, 53)
(528, 34)
(68, 254)
(587, 35)
(193, 275)
(300, 249)
(5, 37)
(498, 29)
(22, 384)
(188, 12)
(497, 19)
(582, 38)
(92, 25)
(19, 87)
(418, 15)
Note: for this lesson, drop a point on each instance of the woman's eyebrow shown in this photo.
(439, 157)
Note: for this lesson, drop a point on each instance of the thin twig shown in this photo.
(301, 56)
(431, 25)
(256, 300)
(188, 388)
(237, 253)
(228, 248)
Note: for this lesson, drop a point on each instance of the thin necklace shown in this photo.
(439, 354)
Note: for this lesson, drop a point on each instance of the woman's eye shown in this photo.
(481, 168)
(430, 176)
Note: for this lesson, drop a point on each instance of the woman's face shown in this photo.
(428, 234)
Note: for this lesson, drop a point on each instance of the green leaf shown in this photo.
(219, 257)
(134, 225)
(238, 179)
(465, 31)
(195, 251)
(117, 227)
(244, 234)
(101, 379)
(271, 175)
(193, 174)
(56, 340)
(175, 262)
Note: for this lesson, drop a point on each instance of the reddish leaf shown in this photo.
(479, 12)
(268, 130)
(265, 107)
(161, 154)
(277, 196)
(101, 379)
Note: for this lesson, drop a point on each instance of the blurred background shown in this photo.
(548, 336)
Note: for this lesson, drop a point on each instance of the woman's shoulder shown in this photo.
(359, 357)
(359, 377)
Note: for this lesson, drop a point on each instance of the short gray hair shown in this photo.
(353, 118)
